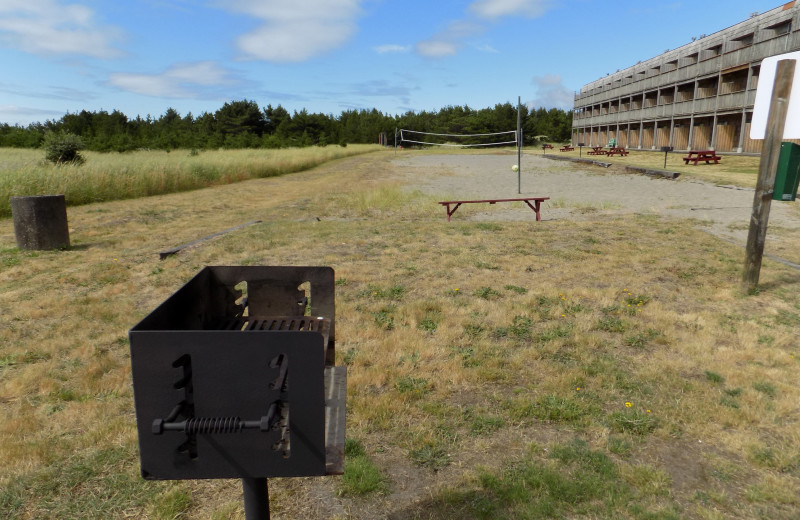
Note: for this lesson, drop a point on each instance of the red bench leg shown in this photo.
(535, 207)
(451, 212)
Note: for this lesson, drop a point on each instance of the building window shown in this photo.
(690, 59)
(712, 52)
(733, 82)
(707, 88)
(686, 92)
(741, 42)
(779, 29)
(754, 78)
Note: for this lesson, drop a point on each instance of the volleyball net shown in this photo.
(459, 140)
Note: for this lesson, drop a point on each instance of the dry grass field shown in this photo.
(116, 176)
(607, 366)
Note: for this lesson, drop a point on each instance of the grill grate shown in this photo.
(279, 324)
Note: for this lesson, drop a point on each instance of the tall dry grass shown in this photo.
(111, 176)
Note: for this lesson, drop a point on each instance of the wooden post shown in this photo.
(40, 222)
(767, 168)
(519, 144)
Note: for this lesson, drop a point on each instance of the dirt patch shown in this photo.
(686, 463)
(582, 192)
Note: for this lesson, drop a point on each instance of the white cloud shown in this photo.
(487, 48)
(48, 27)
(551, 93)
(437, 48)
(499, 8)
(17, 115)
(449, 41)
(384, 49)
(181, 80)
(381, 88)
(452, 40)
(294, 31)
(548, 80)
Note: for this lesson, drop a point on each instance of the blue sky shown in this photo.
(144, 56)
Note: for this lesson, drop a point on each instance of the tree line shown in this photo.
(243, 124)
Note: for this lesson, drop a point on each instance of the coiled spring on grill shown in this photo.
(200, 425)
(216, 425)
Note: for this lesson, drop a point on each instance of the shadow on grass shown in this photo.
(572, 479)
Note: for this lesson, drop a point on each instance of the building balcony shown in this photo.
(732, 101)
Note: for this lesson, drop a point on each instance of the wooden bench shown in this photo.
(619, 150)
(597, 150)
(546, 146)
(533, 202)
(567, 148)
(696, 156)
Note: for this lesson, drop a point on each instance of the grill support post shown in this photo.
(256, 498)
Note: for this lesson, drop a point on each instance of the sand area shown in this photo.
(581, 192)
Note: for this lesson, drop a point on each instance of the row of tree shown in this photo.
(243, 124)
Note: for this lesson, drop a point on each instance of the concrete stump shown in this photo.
(40, 222)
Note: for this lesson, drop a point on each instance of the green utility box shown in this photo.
(788, 175)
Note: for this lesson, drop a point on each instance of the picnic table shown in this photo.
(597, 150)
(617, 150)
(533, 202)
(567, 148)
(696, 156)
(546, 146)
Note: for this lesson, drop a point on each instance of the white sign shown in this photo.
(766, 83)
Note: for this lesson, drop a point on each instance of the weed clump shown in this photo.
(431, 456)
(361, 475)
(520, 329)
(63, 147)
(632, 421)
(486, 293)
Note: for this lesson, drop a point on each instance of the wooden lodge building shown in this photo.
(699, 96)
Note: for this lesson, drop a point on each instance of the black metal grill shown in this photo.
(233, 377)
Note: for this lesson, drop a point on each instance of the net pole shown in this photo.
(519, 145)
(395, 141)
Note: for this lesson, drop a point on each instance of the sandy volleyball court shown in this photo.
(580, 192)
